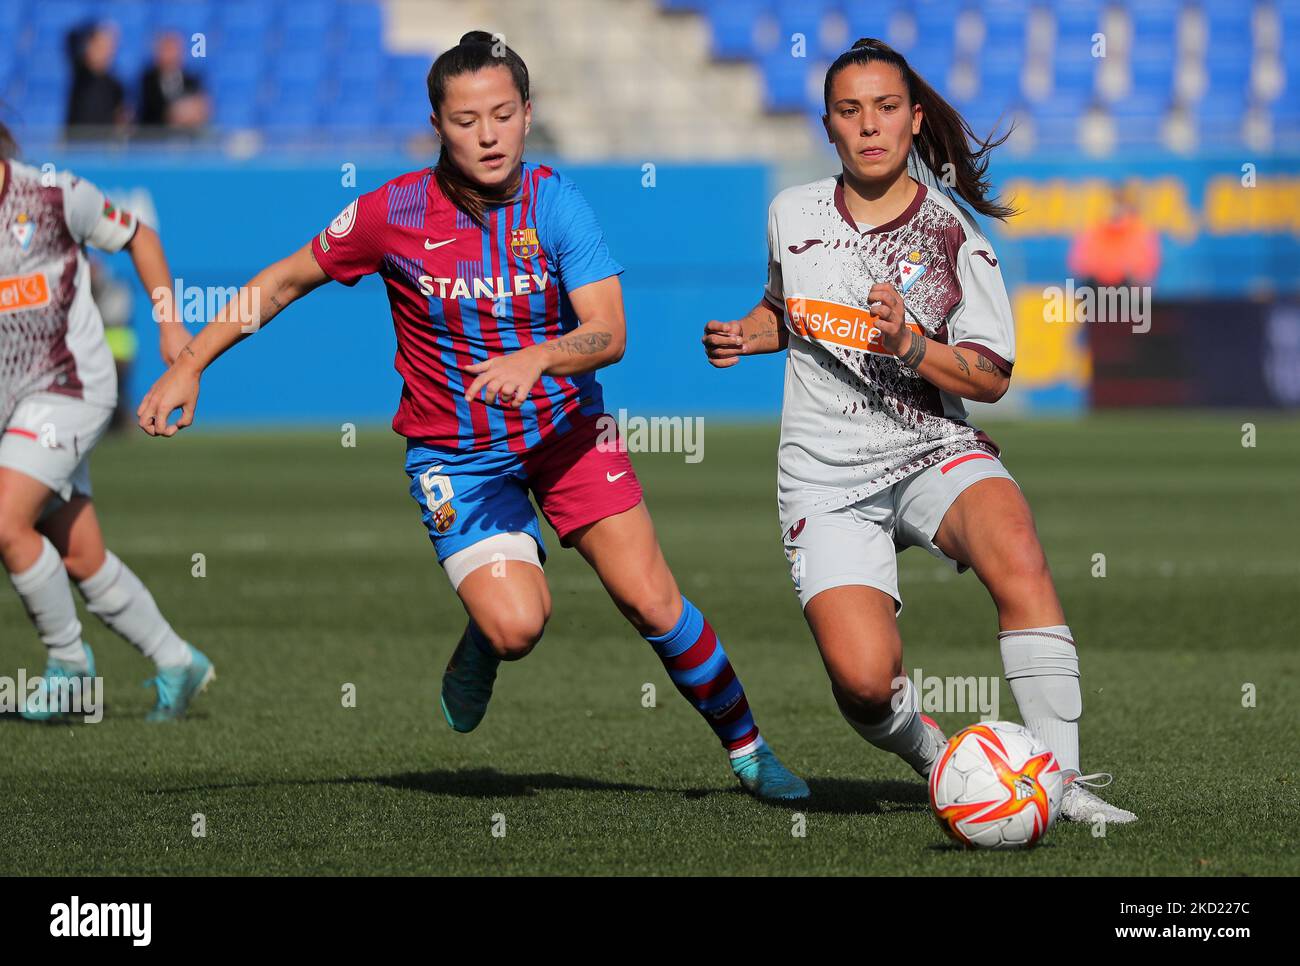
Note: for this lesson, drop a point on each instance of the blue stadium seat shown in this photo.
(785, 82)
(241, 64)
(42, 106)
(362, 23)
(57, 16)
(353, 112)
(239, 38)
(12, 16)
(935, 14)
(1138, 116)
(805, 18)
(1154, 38)
(1076, 23)
(1229, 79)
(245, 15)
(48, 66)
(1056, 119)
(310, 17)
(360, 67)
(999, 79)
(984, 115)
(868, 19)
(306, 65)
(1074, 79)
(933, 55)
(406, 114)
(132, 17)
(291, 105)
(409, 72)
(1154, 77)
(234, 101)
(1218, 124)
(733, 27)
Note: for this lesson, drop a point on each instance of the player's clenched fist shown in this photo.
(177, 388)
(724, 343)
(891, 317)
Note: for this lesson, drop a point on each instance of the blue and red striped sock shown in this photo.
(697, 664)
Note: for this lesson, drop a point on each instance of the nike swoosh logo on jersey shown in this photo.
(428, 247)
(615, 479)
(800, 249)
(987, 257)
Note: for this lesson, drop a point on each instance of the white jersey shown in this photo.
(51, 333)
(855, 420)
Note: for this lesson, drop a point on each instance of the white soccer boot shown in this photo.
(1079, 804)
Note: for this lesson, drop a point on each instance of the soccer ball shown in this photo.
(996, 786)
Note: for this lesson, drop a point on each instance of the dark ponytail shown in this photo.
(945, 136)
(477, 49)
(8, 144)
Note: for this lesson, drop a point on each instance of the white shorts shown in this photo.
(49, 438)
(858, 544)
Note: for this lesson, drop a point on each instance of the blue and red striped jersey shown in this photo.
(461, 293)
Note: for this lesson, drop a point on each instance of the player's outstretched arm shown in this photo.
(598, 341)
(760, 331)
(151, 266)
(267, 294)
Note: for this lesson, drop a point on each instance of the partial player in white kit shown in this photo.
(893, 309)
(58, 388)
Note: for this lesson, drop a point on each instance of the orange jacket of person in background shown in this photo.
(1121, 250)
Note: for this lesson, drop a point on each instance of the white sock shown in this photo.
(903, 732)
(117, 597)
(1042, 667)
(46, 594)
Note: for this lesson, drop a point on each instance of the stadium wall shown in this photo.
(692, 240)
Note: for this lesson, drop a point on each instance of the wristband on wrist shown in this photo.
(915, 351)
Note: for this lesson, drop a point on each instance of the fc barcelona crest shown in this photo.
(524, 243)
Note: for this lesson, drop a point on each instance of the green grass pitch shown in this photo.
(319, 575)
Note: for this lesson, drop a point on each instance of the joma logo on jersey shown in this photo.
(841, 325)
(24, 292)
(524, 243)
(483, 288)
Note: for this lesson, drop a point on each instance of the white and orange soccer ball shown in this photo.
(996, 786)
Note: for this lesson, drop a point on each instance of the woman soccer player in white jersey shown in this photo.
(58, 388)
(506, 301)
(893, 310)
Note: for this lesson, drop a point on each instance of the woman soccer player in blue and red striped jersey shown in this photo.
(505, 301)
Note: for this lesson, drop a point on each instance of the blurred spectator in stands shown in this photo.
(1118, 251)
(97, 101)
(171, 98)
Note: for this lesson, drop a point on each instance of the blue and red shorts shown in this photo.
(577, 477)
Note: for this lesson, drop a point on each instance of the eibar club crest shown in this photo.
(909, 270)
(524, 243)
(23, 228)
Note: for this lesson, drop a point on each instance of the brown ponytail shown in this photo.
(477, 49)
(8, 144)
(945, 137)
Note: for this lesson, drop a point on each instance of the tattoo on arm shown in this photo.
(984, 365)
(584, 345)
(915, 352)
(188, 351)
(961, 361)
(279, 306)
